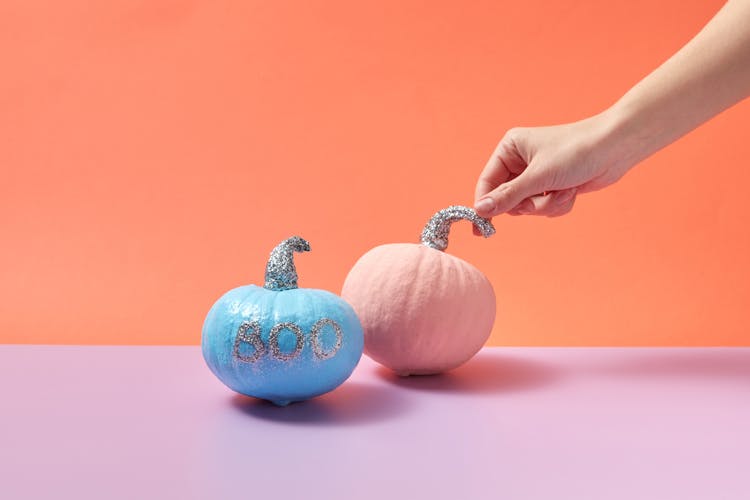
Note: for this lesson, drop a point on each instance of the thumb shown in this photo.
(509, 194)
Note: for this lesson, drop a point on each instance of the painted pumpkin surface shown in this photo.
(423, 311)
(279, 342)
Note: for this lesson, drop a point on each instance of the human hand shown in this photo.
(541, 170)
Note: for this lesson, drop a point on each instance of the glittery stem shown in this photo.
(280, 271)
(435, 233)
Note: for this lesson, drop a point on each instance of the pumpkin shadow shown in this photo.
(719, 363)
(352, 403)
(487, 372)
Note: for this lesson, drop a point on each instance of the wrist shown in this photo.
(625, 137)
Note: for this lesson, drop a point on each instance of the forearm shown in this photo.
(708, 75)
(540, 170)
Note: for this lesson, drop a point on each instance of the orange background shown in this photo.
(153, 152)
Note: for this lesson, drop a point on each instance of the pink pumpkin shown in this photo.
(423, 311)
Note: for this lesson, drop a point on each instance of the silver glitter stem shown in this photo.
(280, 271)
(435, 233)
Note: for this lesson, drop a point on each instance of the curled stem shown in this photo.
(435, 233)
(280, 271)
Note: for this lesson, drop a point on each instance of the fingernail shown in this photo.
(485, 205)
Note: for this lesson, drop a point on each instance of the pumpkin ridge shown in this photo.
(451, 269)
(432, 342)
(416, 299)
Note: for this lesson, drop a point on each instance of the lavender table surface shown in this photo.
(514, 423)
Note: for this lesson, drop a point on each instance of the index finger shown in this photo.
(494, 173)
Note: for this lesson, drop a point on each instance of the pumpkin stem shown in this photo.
(280, 271)
(435, 233)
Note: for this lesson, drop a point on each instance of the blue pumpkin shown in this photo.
(280, 342)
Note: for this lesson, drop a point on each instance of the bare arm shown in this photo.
(706, 76)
